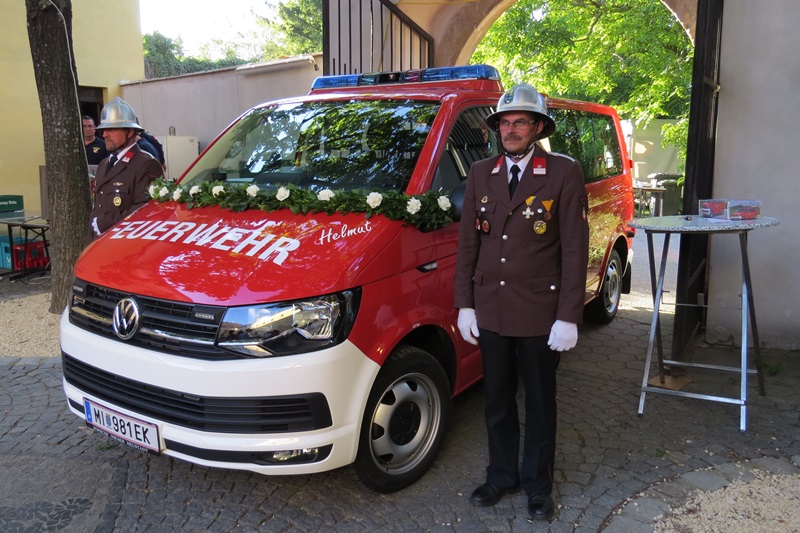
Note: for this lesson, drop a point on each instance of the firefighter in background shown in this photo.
(520, 286)
(123, 178)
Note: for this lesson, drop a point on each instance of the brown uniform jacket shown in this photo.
(122, 189)
(522, 269)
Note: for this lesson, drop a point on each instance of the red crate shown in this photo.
(31, 255)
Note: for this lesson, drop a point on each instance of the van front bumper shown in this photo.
(303, 412)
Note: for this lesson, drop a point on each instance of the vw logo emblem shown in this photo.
(126, 318)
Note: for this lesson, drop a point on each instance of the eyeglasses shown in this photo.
(518, 124)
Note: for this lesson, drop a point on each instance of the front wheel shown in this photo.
(603, 309)
(404, 422)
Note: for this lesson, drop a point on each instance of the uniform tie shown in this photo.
(512, 185)
(112, 159)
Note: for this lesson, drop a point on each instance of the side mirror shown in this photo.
(457, 198)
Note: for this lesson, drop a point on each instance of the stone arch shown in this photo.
(458, 27)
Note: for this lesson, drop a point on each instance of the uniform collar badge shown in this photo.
(127, 157)
(539, 166)
(496, 169)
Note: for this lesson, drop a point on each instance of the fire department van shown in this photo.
(287, 306)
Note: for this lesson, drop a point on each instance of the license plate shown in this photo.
(138, 433)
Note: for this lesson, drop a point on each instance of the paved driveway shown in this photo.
(57, 475)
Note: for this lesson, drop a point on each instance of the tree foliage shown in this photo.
(297, 26)
(632, 54)
(164, 57)
(50, 37)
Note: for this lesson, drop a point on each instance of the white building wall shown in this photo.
(757, 157)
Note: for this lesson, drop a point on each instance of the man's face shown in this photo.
(88, 130)
(115, 138)
(517, 130)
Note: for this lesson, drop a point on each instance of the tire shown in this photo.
(603, 308)
(404, 422)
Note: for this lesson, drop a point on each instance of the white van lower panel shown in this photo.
(342, 374)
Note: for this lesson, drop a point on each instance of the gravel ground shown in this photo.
(28, 330)
(767, 503)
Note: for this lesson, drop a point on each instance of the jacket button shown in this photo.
(483, 209)
(552, 287)
(502, 283)
(510, 213)
(502, 259)
(505, 237)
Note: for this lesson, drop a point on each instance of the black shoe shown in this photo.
(487, 494)
(540, 506)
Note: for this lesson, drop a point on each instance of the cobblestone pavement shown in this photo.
(615, 471)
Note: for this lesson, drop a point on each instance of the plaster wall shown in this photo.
(202, 105)
(756, 158)
(98, 64)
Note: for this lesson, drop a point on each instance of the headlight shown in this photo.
(286, 328)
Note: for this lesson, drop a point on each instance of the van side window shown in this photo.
(471, 140)
(590, 138)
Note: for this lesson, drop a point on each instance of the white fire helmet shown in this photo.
(118, 114)
(523, 97)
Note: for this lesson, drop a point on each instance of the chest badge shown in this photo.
(528, 201)
(548, 205)
(539, 227)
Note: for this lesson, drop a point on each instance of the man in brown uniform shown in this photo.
(123, 178)
(520, 287)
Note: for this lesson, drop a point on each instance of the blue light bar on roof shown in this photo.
(466, 72)
(332, 82)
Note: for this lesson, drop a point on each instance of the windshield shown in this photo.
(347, 145)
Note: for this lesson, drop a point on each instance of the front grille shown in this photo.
(165, 326)
(267, 414)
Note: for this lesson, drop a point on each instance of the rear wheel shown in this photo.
(404, 422)
(603, 309)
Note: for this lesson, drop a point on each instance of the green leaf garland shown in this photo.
(429, 211)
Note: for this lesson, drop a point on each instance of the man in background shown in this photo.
(95, 147)
(124, 177)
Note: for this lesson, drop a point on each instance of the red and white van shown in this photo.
(287, 306)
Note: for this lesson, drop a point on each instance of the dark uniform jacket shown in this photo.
(96, 151)
(522, 262)
(122, 189)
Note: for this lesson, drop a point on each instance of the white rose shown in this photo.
(163, 192)
(413, 206)
(283, 194)
(444, 203)
(374, 199)
(176, 194)
(217, 190)
(194, 190)
(151, 191)
(325, 195)
(252, 190)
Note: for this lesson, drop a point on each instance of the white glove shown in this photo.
(94, 226)
(468, 325)
(563, 336)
